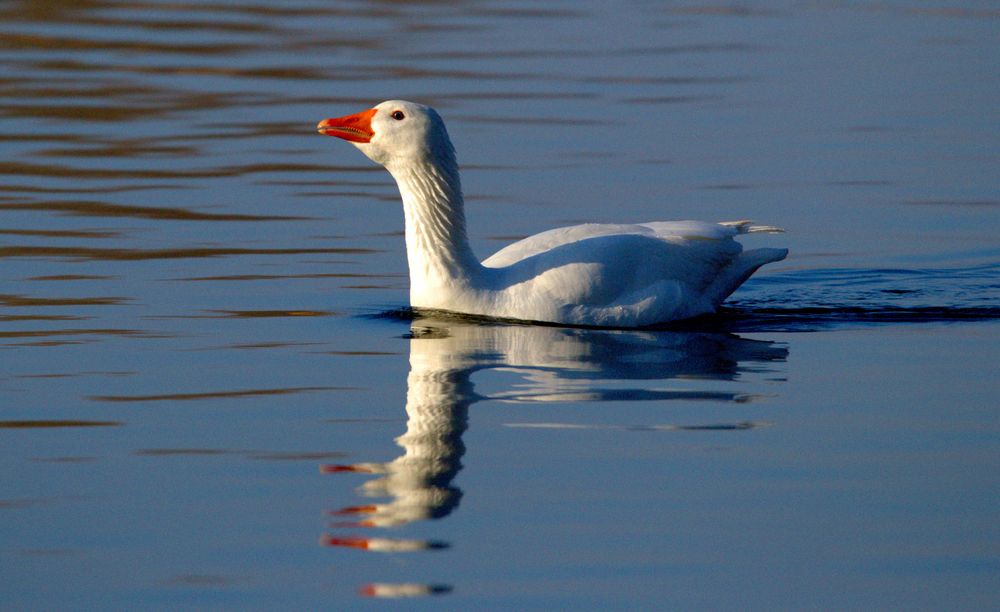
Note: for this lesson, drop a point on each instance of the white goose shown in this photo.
(606, 275)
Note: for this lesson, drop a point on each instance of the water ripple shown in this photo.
(805, 300)
(819, 299)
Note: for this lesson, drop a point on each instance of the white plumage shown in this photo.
(613, 275)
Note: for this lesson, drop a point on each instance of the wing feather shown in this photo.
(671, 231)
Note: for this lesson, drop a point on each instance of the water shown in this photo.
(213, 396)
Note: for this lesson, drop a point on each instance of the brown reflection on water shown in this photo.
(34, 317)
(357, 353)
(61, 171)
(21, 300)
(264, 314)
(103, 209)
(260, 277)
(72, 332)
(129, 105)
(41, 423)
(108, 254)
(79, 190)
(60, 233)
(234, 394)
(70, 277)
(260, 345)
(74, 374)
(21, 42)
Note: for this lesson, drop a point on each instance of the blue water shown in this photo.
(213, 393)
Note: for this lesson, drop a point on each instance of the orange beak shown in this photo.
(353, 128)
(329, 540)
(357, 510)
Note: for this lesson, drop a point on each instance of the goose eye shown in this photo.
(398, 115)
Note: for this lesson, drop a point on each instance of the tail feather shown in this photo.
(748, 227)
(740, 270)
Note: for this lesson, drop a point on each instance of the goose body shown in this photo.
(612, 275)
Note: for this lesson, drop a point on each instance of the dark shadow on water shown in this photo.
(826, 299)
(744, 317)
(747, 319)
(837, 298)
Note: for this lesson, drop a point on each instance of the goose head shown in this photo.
(395, 133)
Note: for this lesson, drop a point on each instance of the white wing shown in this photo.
(639, 274)
(672, 231)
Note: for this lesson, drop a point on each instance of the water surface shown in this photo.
(212, 394)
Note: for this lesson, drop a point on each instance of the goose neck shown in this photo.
(437, 245)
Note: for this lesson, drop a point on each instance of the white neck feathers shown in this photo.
(437, 246)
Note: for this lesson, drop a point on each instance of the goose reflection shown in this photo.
(553, 364)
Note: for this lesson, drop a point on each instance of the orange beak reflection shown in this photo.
(353, 128)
